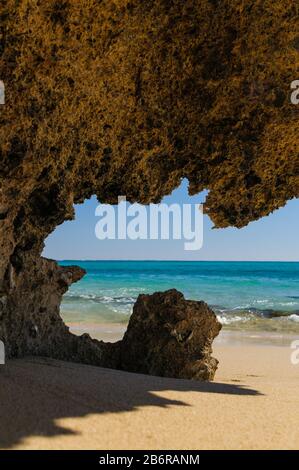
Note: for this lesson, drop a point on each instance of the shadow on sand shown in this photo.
(35, 392)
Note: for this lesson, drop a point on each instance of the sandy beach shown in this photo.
(252, 404)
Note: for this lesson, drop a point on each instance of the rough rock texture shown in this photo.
(30, 322)
(126, 97)
(170, 337)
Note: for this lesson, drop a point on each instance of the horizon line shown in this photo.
(181, 260)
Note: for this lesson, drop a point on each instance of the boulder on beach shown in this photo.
(170, 337)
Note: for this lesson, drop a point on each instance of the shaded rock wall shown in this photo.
(126, 98)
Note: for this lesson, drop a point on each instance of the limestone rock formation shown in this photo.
(126, 97)
(170, 337)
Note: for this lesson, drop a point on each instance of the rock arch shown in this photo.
(128, 97)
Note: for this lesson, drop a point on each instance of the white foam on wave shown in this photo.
(87, 296)
(227, 320)
(294, 318)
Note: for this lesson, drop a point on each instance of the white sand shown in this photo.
(252, 404)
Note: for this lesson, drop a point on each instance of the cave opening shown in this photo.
(101, 303)
(117, 271)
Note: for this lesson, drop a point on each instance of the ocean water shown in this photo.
(260, 296)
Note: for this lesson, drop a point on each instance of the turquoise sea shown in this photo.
(244, 295)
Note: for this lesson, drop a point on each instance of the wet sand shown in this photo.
(110, 332)
(114, 332)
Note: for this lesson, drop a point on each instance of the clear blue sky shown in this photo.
(273, 238)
